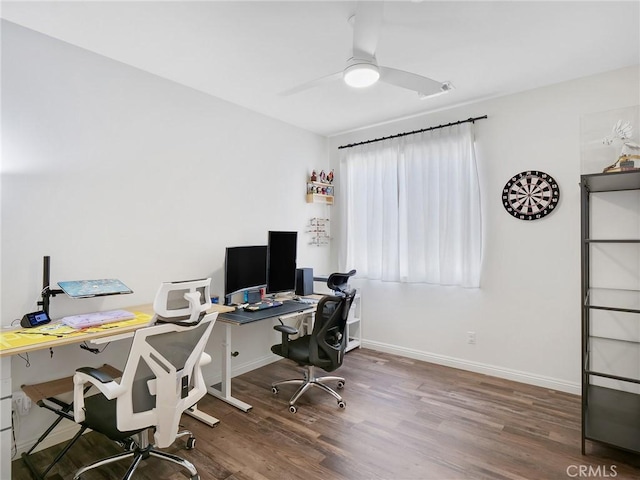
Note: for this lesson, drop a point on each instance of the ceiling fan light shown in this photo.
(361, 75)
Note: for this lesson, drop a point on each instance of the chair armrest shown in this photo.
(286, 329)
(101, 380)
(99, 375)
(205, 359)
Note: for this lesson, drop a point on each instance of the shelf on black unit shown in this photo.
(613, 377)
(613, 417)
(613, 299)
(614, 339)
(611, 240)
(611, 182)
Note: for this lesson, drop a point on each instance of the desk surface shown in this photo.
(54, 334)
(240, 317)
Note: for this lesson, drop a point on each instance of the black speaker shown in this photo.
(304, 281)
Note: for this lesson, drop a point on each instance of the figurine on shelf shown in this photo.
(323, 177)
(330, 177)
(621, 133)
(313, 176)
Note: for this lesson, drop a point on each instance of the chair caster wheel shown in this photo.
(341, 404)
(293, 408)
(340, 384)
(195, 477)
(191, 443)
(274, 390)
(128, 444)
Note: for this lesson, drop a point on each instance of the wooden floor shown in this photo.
(404, 419)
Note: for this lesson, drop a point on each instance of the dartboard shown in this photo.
(530, 195)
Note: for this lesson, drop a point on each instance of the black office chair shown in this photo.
(324, 348)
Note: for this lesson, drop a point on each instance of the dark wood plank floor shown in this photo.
(404, 419)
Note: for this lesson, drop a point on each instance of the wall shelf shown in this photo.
(318, 192)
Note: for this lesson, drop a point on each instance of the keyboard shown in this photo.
(96, 319)
(261, 306)
(311, 301)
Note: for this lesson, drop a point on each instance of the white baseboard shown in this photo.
(492, 370)
(246, 367)
(249, 366)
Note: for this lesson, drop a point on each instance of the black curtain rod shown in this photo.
(472, 120)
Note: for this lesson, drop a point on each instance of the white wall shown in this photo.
(526, 314)
(115, 172)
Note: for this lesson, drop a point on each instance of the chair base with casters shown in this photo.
(142, 450)
(311, 380)
(101, 415)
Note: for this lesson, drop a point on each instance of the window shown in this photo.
(411, 208)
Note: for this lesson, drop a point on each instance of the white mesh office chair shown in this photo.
(161, 379)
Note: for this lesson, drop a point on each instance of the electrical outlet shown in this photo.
(471, 338)
(21, 403)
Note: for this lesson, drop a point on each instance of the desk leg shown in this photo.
(5, 415)
(224, 392)
(200, 415)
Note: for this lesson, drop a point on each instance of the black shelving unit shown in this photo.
(609, 416)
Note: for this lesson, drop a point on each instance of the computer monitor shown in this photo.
(281, 261)
(245, 268)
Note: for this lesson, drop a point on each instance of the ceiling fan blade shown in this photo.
(312, 84)
(410, 81)
(366, 29)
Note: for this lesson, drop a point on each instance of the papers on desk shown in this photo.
(96, 319)
(57, 331)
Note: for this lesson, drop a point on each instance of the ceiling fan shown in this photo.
(362, 69)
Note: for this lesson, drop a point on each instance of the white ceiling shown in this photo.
(248, 52)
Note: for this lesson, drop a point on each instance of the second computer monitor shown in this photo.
(245, 268)
(281, 261)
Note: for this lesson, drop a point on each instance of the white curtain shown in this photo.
(411, 208)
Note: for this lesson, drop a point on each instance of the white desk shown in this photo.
(224, 391)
